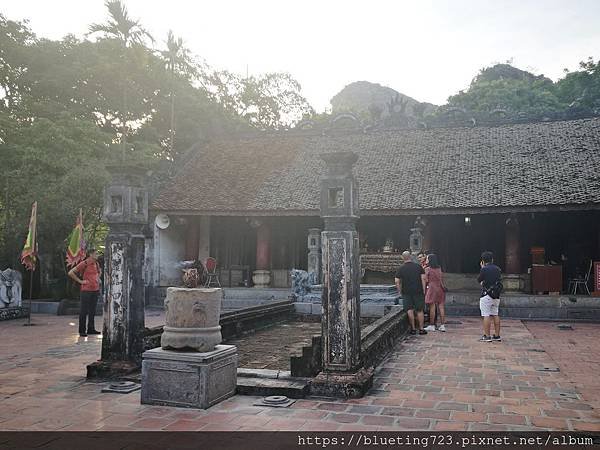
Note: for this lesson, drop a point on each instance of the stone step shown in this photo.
(256, 294)
(365, 289)
(240, 303)
(264, 387)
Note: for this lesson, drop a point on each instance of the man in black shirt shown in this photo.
(410, 275)
(490, 278)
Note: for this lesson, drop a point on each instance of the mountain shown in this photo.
(378, 102)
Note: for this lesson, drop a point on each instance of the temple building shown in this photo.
(528, 192)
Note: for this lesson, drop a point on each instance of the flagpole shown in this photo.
(28, 255)
(28, 324)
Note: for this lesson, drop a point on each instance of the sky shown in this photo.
(427, 49)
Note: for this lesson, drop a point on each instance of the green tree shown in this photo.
(581, 88)
(178, 63)
(131, 37)
(270, 101)
(506, 88)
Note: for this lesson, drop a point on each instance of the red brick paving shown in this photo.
(442, 381)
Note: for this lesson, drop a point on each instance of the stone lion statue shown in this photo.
(10, 288)
(301, 282)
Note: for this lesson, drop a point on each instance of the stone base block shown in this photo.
(189, 379)
(513, 282)
(342, 385)
(16, 312)
(110, 369)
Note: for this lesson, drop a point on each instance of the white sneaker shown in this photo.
(442, 328)
(430, 328)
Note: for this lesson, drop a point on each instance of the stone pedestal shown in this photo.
(192, 319)
(344, 385)
(261, 278)
(513, 282)
(189, 379)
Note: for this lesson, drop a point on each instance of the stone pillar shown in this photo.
(126, 213)
(262, 275)
(314, 254)
(343, 374)
(512, 260)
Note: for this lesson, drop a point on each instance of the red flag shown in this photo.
(29, 253)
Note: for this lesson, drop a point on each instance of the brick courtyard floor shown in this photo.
(442, 381)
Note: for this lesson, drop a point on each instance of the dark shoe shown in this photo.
(94, 332)
(496, 338)
(413, 332)
(485, 338)
(422, 332)
(82, 335)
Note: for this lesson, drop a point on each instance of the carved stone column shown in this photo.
(126, 212)
(262, 275)
(342, 375)
(314, 254)
(512, 279)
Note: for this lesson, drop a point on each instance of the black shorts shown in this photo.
(413, 301)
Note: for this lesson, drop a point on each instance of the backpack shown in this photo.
(495, 289)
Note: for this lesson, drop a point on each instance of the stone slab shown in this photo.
(17, 312)
(303, 308)
(189, 379)
(42, 307)
(264, 387)
(367, 310)
(532, 307)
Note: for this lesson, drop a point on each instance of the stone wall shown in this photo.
(534, 307)
(379, 338)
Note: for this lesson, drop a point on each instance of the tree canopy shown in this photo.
(510, 90)
(70, 107)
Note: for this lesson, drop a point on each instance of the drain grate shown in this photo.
(538, 350)
(569, 395)
(564, 326)
(548, 369)
(275, 401)
(122, 387)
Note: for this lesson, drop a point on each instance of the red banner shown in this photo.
(597, 276)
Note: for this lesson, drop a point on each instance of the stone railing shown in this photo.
(379, 338)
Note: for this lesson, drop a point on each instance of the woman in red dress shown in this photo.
(435, 293)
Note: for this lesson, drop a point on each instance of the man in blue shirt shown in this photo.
(490, 278)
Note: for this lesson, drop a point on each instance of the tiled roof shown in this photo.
(549, 164)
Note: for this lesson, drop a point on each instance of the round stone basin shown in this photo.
(192, 319)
